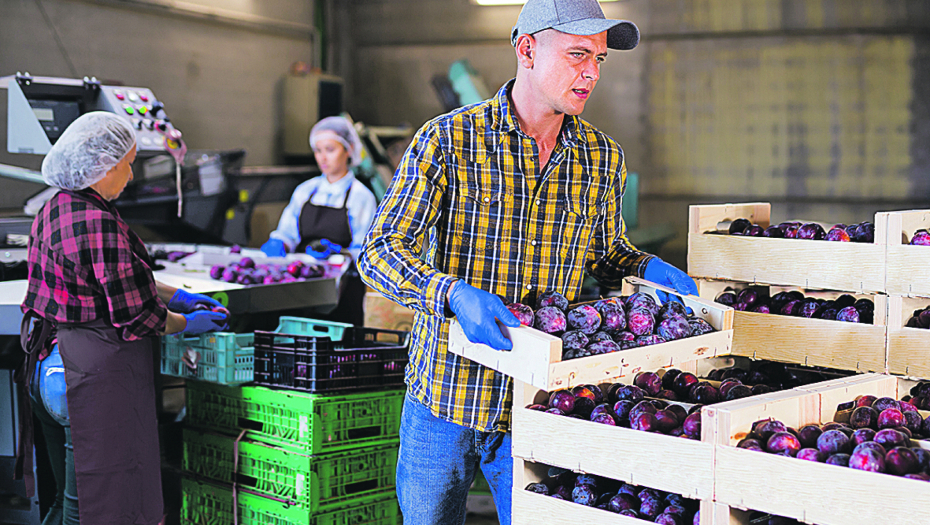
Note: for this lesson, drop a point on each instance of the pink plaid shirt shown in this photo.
(85, 263)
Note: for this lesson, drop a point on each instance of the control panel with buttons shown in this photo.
(144, 111)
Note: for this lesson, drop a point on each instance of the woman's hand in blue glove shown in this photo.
(661, 272)
(184, 301)
(274, 248)
(204, 321)
(478, 312)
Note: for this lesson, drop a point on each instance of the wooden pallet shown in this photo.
(807, 491)
(908, 348)
(811, 342)
(536, 357)
(854, 267)
(907, 267)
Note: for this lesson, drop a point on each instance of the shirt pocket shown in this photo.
(577, 227)
(481, 210)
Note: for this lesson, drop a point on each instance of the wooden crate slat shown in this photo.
(907, 268)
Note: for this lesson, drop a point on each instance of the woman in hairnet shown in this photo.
(330, 212)
(97, 311)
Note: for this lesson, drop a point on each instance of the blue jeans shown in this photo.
(436, 465)
(64, 510)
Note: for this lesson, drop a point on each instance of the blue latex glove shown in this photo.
(274, 248)
(319, 255)
(661, 272)
(204, 321)
(478, 312)
(184, 302)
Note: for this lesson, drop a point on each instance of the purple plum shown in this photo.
(622, 409)
(791, 307)
(683, 383)
(644, 421)
(522, 312)
(604, 419)
(603, 347)
(890, 438)
(808, 435)
(692, 426)
(553, 299)
(613, 317)
(811, 231)
(883, 403)
(867, 459)
(574, 340)
(920, 238)
(900, 461)
(833, 442)
(699, 326)
(623, 501)
(837, 235)
(668, 378)
(650, 382)
(667, 518)
(811, 454)
(773, 231)
(923, 459)
(848, 314)
(584, 495)
(563, 400)
(584, 318)
(750, 444)
(623, 337)
(620, 391)
(918, 476)
(666, 420)
(739, 226)
(861, 436)
(763, 429)
(641, 321)
(216, 271)
(555, 411)
(550, 319)
(649, 340)
(674, 327)
(643, 300)
(840, 460)
(538, 488)
(705, 394)
(726, 298)
(783, 442)
(583, 407)
(864, 417)
(737, 392)
(651, 509)
(890, 418)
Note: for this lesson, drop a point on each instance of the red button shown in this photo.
(119, 95)
(143, 98)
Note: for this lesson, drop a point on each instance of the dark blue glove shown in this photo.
(184, 302)
(274, 248)
(661, 272)
(477, 311)
(204, 321)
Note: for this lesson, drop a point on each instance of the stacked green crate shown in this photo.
(295, 457)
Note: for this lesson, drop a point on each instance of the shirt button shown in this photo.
(538, 202)
(487, 200)
(529, 287)
(533, 242)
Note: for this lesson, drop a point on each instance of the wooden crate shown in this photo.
(854, 267)
(536, 357)
(908, 348)
(672, 464)
(907, 267)
(804, 490)
(810, 342)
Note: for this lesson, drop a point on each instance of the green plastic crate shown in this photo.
(225, 358)
(311, 327)
(206, 503)
(312, 423)
(315, 482)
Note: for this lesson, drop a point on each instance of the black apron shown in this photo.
(112, 409)
(327, 222)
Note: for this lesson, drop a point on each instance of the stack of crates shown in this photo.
(296, 455)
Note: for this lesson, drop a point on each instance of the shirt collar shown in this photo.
(504, 121)
(340, 185)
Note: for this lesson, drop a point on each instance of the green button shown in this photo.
(129, 110)
(143, 110)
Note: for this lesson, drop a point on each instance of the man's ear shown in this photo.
(526, 51)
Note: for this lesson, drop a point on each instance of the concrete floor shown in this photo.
(480, 510)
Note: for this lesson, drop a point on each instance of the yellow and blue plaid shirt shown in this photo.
(470, 201)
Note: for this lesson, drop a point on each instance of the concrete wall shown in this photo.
(217, 79)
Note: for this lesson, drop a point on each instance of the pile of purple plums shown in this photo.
(920, 238)
(920, 319)
(610, 325)
(685, 386)
(625, 406)
(877, 437)
(862, 232)
(174, 256)
(843, 308)
(618, 497)
(247, 272)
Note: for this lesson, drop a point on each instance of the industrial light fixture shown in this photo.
(514, 2)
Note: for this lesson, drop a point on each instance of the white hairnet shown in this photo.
(338, 128)
(91, 146)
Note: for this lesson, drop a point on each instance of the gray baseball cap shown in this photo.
(574, 17)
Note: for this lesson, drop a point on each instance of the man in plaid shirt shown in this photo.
(510, 197)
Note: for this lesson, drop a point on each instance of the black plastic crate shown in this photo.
(365, 359)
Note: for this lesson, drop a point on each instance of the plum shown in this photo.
(641, 321)
(666, 420)
(623, 337)
(920, 238)
(811, 231)
(678, 410)
(644, 421)
(643, 406)
(668, 378)
(612, 315)
(229, 275)
(550, 319)
(563, 400)
(216, 271)
(864, 417)
(651, 509)
(623, 501)
(833, 442)
(622, 409)
(650, 382)
(585, 479)
(596, 390)
(667, 518)
(862, 435)
(552, 299)
(837, 235)
(864, 232)
(791, 307)
(538, 488)
(763, 429)
(871, 445)
(762, 389)
(603, 347)
(628, 392)
(645, 301)
(605, 419)
(890, 418)
(791, 232)
(738, 392)
(867, 459)
(890, 438)
(750, 444)
(811, 454)
(865, 400)
(630, 513)
(848, 314)
(244, 279)
(683, 383)
(674, 327)
(574, 340)
(705, 394)
(761, 309)
(584, 318)
(555, 411)
(522, 312)
(583, 407)
(883, 403)
(752, 295)
(584, 495)
(783, 442)
(840, 460)
(692, 426)
(918, 476)
(900, 461)
(808, 435)
(672, 396)
(649, 340)
(538, 407)
(808, 307)
(603, 408)
(923, 459)
(632, 490)
(773, 231)
(739, 226)
(726, 298)
(600, 336)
